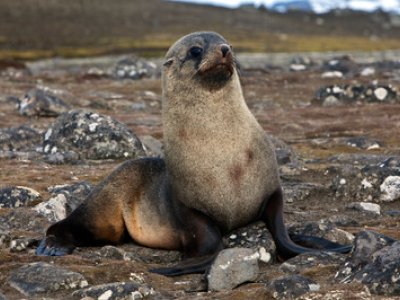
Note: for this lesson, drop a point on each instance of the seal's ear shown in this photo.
(168, 62)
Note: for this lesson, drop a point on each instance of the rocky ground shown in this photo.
(335, 121)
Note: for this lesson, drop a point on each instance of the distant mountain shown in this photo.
(323, 6)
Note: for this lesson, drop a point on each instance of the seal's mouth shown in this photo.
(219, 69)
(224, 69)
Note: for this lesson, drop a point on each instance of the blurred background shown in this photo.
(32, 29)
(80, 91)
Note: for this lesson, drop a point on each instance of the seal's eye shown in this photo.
(195, 51)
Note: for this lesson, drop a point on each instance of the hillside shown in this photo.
(32, 29)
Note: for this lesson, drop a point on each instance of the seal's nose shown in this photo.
(225, 49)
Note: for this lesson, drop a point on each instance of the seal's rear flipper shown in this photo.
(189, 266)
(319, 243)
(286, 247)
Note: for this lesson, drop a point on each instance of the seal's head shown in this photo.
(205, 57)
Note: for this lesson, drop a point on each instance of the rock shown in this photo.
(299, 191)
(233, 267)
(343, 64)
(363, 142)
(39, 102)
(392, 163)
(36, 278)
(64, 200)
(17, 196)
(2, 297)
(367, 71)
(92, 136)
(264, 256)
(342, 221)
(303, 60)
(54, 208)
(284, 153)
(59, 158)
(254, 236)
(132, 252)
(21, 219)
(331, 101)
(153, 146)
(303, 262)
(363, 183)
(21, 138)
(297, 67)
(112, 252)
(292, 286)
(5, 239)
(381, 93)
(390, 189)
(321, 229)
(21, 244)
(382, 275)
(365, 245)
(375, 263)
(134, 68)
(341, 94)
(196, 283)
(116, 291)
(332, 74)
(366, 207)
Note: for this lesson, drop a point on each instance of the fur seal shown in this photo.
(219, 171)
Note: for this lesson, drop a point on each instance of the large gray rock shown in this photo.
(36, 278)
(374, 262)
(233, 267)
(382, 274)
(92, 136)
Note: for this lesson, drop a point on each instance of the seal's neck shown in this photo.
(182, 95)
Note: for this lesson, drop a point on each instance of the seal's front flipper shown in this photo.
(188, 266)
(201, 242)
(52, 246)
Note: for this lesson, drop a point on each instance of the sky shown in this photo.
(320, 5)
